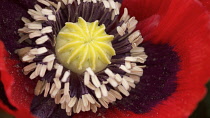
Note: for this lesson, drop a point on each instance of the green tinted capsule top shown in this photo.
(81, 45)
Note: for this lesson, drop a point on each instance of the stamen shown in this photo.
(133, 36)
(42, 39)
(38, 8)
(30, 67)
(49, 58)
(127, 64)
(90, 99)
(135, 78)
(71, 1)
(109, 73)
(116, 94)
(35, 34)
(104, 90)
(43, 70)
(46, 30)
(124, 68)
(58, 71)
(28, 58)
(47, 12)
(57, 83)
(38, 87)
(47, 88)
(93, 108)
(39, 18)
(21, 52)
(131, 84)
(106, 4)
(103, 103)
(54, 92)
(98, 93)
(85, 100)
(25, 20)
(137, 50)
(118, 78)
(44, 2)
(132, 24)
(125, 84)
(33, 12)
(23, 38)
(112, 82)
(65, 77)
(123, 90)
(34, 25)
(95, 81)
(72, 102)
(111, 97)
(91, 86)
(63, 106)
(50, 65)
(58, 98)
(58, 6)
(52, 17)
(38, 51)
(52, 88)
(125, 15)
(65, 2)
(86, 78)
(128, 79)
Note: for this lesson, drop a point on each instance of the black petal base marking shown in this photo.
(4, 98)
(46, 108)
(158, 81)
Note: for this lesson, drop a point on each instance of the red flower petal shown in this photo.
(19, 90)
(185, 27)
(206, 3)
(143, 9)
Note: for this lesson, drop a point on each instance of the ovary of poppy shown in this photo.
(180, 24)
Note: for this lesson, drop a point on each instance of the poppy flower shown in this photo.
(173, 58)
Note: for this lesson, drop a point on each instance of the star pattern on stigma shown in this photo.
(85, 45)
(91, 88)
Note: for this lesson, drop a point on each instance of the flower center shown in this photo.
(81, 45)
(84, 53)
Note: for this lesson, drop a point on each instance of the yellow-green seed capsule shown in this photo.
(81, 45)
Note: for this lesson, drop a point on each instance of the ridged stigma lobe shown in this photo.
(81, 45)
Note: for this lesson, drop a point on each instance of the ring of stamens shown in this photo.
(90, 90)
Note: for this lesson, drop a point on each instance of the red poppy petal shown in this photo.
(19, 90)
(148, 25)
(206, 3)
(186, 29)
(191, 40)
(143, 9)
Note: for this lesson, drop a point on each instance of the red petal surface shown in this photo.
(19, 90)
(206, 3)
(185, 26)
(143, 9)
